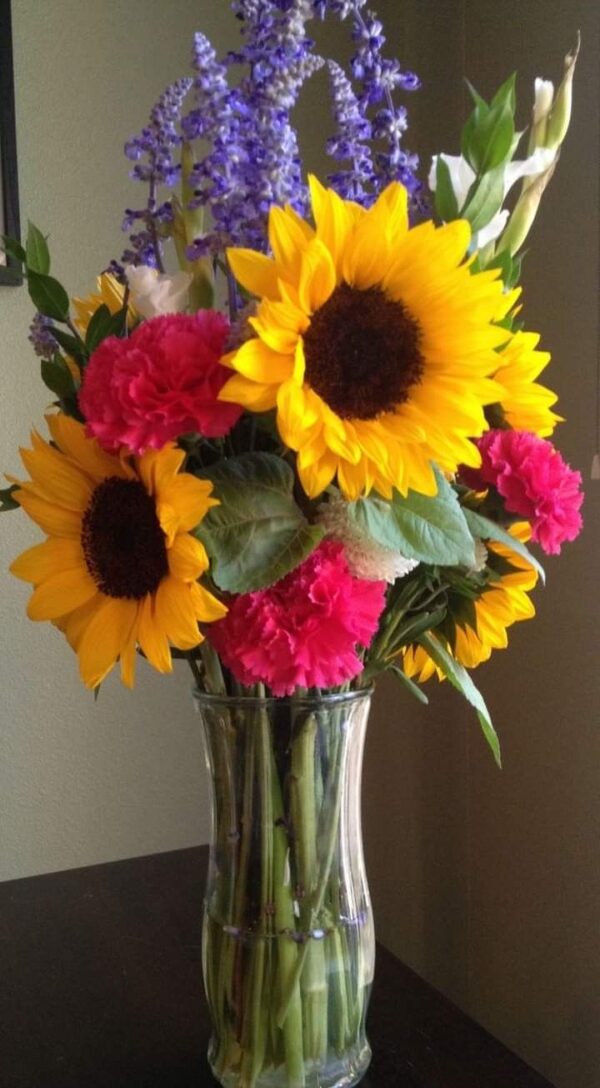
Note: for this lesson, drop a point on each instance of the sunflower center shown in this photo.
(123, 543)
(362, 352)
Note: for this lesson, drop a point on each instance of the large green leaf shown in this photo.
(430, 529)
(258, 533)
(57, 376)
(460, 679)
(37, 256)
(485, 199)
(488, 530)
(48, 296)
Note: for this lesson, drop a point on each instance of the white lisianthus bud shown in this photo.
(154, 293)
(365, 557)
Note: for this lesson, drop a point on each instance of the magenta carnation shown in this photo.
(534, 481)
(161, 382)
(303, 631)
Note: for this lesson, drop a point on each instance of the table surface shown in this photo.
(101, 987)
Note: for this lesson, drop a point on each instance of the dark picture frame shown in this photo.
(10, 270)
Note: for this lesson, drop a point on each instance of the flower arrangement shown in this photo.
(336, 474)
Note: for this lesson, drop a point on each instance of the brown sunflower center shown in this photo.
(362, 352)
(123, 543)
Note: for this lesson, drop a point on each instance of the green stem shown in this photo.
(304, 822)
(317, 897)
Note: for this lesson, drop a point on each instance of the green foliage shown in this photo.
(460, 679)
(72, 345)
(37, 256)
(446, 204)
(414, 689)
(489, 530)
(102, 324)
(258, 533)
(57, 377)
(484, 198)
(13, 248)
(6, 500)
(431, 529)
(488, 136)
(48, 296)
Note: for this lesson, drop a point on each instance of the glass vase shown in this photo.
(288, 939)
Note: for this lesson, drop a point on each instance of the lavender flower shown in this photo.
(377, 78)
(40, 335)
(152, 151)
(253, 160)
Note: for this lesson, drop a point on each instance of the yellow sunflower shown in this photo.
(526, 405)
(109, 292)
(120, 566)
(374, 342)
(473, 628)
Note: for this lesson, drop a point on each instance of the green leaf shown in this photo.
(57, 376)
(489, 530)
(484, 199)
(257, 534)
(492, 137)
(96, 330)
(6, 500)
(37, 255)
(48, 296)
(480, 102)
(410, 684)
(13, 248)
(73, 347)
(506, 94)
(445, 200)
(103, 324)
(468, 135)
(460, 679)
(430, 529)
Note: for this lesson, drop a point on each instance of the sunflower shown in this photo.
(374, 342)
(109, 292)
(473, 628)
(526, 405)
(119, 567)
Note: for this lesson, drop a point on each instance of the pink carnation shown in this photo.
(161, 382)
(534, 481)
(302, 631)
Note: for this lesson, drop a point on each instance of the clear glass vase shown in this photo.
(288, 940)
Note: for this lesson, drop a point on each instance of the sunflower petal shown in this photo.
(61, 594)
(44, 560)
(187, 558)
(104, 637)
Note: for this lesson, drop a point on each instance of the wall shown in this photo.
(488, 883)
(83, 782)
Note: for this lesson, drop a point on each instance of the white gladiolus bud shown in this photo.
(154, 293)
(544, 97)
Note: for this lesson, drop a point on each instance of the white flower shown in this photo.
(544, 97)
(462, 177)
(365, 557)
(153, 293)
(481, 554)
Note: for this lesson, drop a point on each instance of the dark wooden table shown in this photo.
(100, 987)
